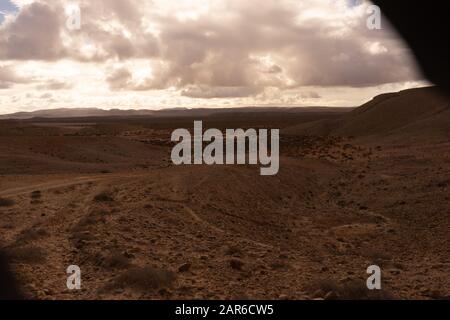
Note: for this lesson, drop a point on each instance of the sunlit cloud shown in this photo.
(172, 53)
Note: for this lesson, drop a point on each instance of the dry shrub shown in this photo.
(82, 236)
(145, 279)
(27, 254)
(104, 197)
(279, 265)
(8, 225)
(36, 194)
(91, 219)
(84, 223)
(233, 251)
(349, 290)
(31, 234)
(6, 202)
(377, 256)
(113, 260)
(81, 239)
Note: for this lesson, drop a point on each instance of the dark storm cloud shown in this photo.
(236, 50)
(211, 53)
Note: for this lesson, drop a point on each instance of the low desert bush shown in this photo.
(233, 251)
(36, 195)
(90, 219)
(104, 197)
(377, 256)
(31, 234)
(114, 260)
(145, 279)
(84, 223)
(82, 236)
(27, 254)
(6, 202)
(349, 290)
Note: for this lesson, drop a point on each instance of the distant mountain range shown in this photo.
(95, 112)
(76, 112)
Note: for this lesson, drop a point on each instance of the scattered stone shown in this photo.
(236, 264)
(129, 255)
(331, 296)
(48, 292)
(184, 267)
(318, 294)
(284, 256)
(164, 292)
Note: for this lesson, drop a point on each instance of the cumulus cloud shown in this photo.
(220, 92)
(8, 77)
(310, 95)
(119, 79)
(54, 85)
(34, 34)
(209, 49)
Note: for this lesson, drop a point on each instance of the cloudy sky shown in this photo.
(195, 53)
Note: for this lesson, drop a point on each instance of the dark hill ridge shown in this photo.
(412, 112)
(75, 113)
(170, 112)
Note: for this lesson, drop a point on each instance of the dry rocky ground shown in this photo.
(141, 228)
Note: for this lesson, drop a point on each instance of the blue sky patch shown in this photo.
(6, 6)
(354, 3)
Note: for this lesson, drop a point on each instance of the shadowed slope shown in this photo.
(8, 285)
(414, 112)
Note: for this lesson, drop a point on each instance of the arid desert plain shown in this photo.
(360, 187)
